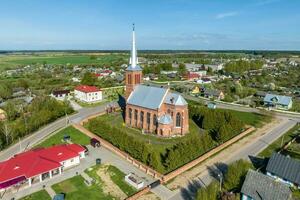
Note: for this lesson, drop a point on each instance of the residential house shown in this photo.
(33, 166)
(260, 94)
(284, 169)
(88, 94)
(278, 101)
(61, 94)
(213, 94)
(258, 186)
(191, 76)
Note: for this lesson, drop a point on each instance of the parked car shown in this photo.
(95, 143)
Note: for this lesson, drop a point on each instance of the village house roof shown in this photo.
(87, 88)
(165, 119)
(147, 96)
(260, 186)
(215, 93)
(284, 167)
(60, 92)
(37, 161)
(279, 99)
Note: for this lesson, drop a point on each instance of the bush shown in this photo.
(211, 192)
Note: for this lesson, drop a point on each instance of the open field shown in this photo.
(13, 61)
(57, 138)
(40, 195)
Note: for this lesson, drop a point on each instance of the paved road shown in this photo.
(50, 128)
(251, 149)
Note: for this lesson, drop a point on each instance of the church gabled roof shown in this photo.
(175, 99)
(147, 96)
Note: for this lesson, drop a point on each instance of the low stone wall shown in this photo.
(139, 194)
(120, 153)
(150, 171)
(200, 159)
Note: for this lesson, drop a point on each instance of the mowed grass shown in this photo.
(117, 176)
(76, 189)
(276, 146)
(253, 119)
(76, 137)
(160, 144)
(40, 195)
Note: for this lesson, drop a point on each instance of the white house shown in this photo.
(88, 94)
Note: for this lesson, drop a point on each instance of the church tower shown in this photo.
(134, 71)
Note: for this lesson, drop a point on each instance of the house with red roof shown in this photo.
(88, 94)
(27, 168)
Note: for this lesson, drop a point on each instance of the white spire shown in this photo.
(133, 58)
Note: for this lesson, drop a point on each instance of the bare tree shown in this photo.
(6, 130)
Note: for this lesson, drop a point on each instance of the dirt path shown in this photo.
(109, 187)
(186, 177)
(149, 196)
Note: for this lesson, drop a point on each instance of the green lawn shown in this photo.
(275, 146)
(118, 178)
(76, 137)
(40, 195)
(253, 119)
(76, 189)
(160, 144)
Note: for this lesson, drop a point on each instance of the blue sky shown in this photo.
(160, 24)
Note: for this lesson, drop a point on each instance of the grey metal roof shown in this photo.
(284, 167)
(147, 96)
(136, 68)
(278, 99)
(259, 186)
(165, 119)
(175, 99)
(212, 92)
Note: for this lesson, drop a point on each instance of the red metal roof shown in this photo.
(37, 161)
(87, 88)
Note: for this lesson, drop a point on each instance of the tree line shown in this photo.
(219, 126)
(241, 66)
(24, 120)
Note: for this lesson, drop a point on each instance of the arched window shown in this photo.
(135, 117)
(142, 118)
(178, 120)
(130, 113)
(154, 120)
(148, 120)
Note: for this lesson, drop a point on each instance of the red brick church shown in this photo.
(153, 109)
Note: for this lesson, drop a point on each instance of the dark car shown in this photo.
(95, 143)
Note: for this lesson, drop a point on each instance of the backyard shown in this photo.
(75, 135)
(40, 195)
(108, 183)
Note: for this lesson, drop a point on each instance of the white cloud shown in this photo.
(265, 2)
(227, 14)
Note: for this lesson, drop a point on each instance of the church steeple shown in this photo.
(133, 75)
(133, 57)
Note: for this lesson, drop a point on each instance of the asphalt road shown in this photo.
(246, 152)
(37, 136)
